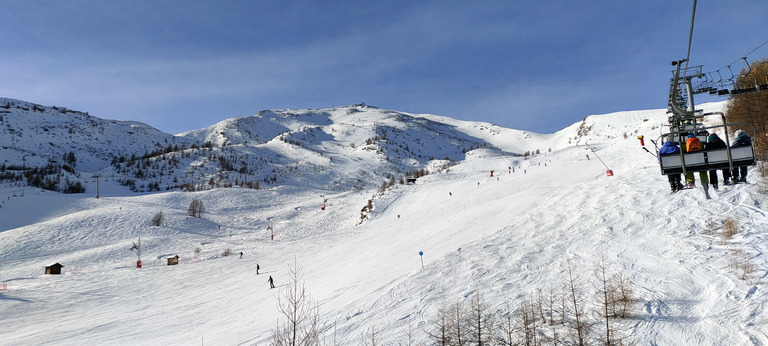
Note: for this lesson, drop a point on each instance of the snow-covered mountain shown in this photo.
(518, 239)
(336, 149)
(36, 135)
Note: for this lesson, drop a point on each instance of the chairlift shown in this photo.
(705, 160)
(744, 91)
(719, 75)
(711, 79)
(712, 84)
(685, 120)
(749, 68)
(704, 78)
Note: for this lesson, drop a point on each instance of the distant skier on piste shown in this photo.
(271, 284)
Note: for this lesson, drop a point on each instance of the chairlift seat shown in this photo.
(743, 91)
(707, 160)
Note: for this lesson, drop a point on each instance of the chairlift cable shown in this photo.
(752, 51)
(744, 57)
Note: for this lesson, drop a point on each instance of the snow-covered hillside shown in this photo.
(36, 135)
(507, 238)
(340, 148)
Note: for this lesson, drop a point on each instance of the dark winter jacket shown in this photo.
(714, 142)
(741, 140)
(669, 148)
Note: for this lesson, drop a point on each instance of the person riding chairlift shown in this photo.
(713, 143)
(739, 174)
(669, 148)
(692, 143)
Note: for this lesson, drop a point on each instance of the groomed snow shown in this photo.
(504, 237)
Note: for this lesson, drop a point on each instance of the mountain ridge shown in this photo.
(365, 144)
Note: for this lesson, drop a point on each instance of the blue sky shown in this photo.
(530, 65)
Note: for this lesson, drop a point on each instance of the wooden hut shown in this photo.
(172, 261)
(54, 269)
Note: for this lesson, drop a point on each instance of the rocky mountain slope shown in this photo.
(351, 147)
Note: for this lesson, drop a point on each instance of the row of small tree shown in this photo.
(52, 177)
(564, 315)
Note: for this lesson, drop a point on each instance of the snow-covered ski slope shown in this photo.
(506, 236)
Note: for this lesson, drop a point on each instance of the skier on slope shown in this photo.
(271, 284)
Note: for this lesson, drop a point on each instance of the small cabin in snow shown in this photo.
(172, 261)
(53, 269)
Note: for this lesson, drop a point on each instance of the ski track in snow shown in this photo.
(508, 237)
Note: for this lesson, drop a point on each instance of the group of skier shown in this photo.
(270, 280)
(691, 144)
